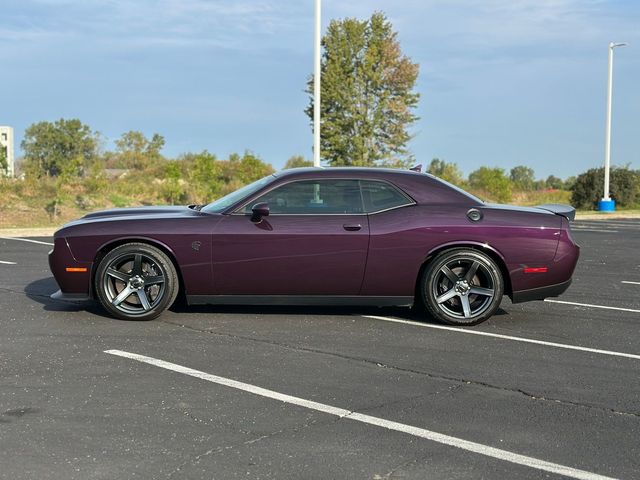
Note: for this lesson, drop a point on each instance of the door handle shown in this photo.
(352, 227)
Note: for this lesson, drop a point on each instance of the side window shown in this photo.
(313, 197)
(382, 196)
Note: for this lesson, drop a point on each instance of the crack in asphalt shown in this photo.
(395, 469)
(308, 424)
(436, 376)
(214, 451)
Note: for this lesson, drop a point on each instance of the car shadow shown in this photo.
(417, 314)
(40, 291)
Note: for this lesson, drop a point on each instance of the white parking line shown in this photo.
(605, 307)
(26, 240)
(630, 283)
(580, 229)
(507, 337)
(479, 448)
(597, 223)
(7, 263)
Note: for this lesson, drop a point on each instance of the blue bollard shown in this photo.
(607, 205)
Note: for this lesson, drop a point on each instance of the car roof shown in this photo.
(355, 171)
(424, 188)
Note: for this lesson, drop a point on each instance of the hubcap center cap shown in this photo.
(136, 282)
(462, 287)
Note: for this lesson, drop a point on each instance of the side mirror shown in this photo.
(258, 211)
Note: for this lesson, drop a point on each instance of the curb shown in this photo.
(28, 232)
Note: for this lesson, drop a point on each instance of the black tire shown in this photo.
(462, 286)
(136, 281)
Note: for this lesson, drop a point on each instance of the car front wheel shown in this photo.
(136, 281)
(462, 287)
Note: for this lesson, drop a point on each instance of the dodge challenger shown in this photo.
(321, 236)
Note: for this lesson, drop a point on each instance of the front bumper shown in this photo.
(74, 283)
(70, 297)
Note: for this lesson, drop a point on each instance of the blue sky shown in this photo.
(502, 82)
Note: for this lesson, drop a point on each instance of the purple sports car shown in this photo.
(316, 236)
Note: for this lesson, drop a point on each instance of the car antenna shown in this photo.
(416, 168)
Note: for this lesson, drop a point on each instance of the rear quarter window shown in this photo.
(379, 196)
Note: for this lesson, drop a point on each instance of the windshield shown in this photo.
(225, 202)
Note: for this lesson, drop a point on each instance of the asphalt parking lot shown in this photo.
(542, 390)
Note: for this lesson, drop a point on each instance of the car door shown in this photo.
(313, 242)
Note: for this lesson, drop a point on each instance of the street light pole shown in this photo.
(606, 204)
(316, 87)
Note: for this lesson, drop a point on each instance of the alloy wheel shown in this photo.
(134, 283)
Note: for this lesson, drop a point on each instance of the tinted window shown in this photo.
(319, 197)
(382, 196)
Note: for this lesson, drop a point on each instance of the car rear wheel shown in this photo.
(462, 287)
(136, 281)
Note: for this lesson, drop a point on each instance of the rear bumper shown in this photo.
(540, 293)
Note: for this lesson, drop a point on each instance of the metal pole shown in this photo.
(607, 204)
(607, 142)
(316, 88)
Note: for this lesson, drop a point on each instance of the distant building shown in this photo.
(6, 142)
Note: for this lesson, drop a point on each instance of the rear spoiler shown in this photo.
(565, 210)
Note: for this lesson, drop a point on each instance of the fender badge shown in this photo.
(196, 245)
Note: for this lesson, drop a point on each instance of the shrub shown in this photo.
(493, 181)
(587, 189)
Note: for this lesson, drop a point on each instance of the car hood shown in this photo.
(141, 211)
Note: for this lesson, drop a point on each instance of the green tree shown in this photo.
(249, 167)
(298, 161)
(173, 186)
(523, 177)
(569, 182)
(204, 176)
(554, 182)
(65, 176)
(3, 159)
(367, 94)
(588, 187)
(50, 147)
(493, 181)
(446, 171)
(135, 151)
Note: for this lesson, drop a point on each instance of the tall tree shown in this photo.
(446, 171)
(298, 161)
(367, 94)
(50, 147)
(134, 150)
(554, 182)
(523, 177)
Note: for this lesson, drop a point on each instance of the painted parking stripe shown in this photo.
(507, 337)
(460, 443)
(608, 224)
(7, 263)
(630, 283)
(26, 240)
(605, 307)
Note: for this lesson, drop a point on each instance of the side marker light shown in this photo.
(536, 270)
(76, 269)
